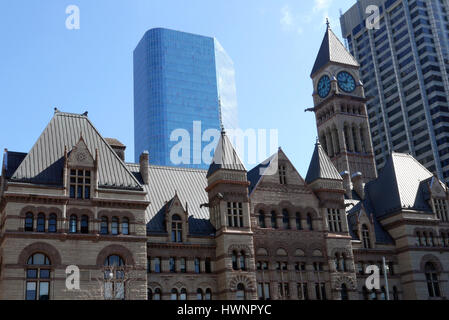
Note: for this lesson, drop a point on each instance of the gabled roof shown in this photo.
(332, 50)
(399, 186)
(382, 236)
(321, 166)
(44, 163)
(166, 182)
(225, 157)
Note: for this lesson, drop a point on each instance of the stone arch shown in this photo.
(341, 251)
(433, 259)
(179, 285)
(118, 214)
(36, 210)
(317, 253)
(118, 250)
(81, 212)
(350, 282)
(299, 253)
(262, 252)
(234, 282)
(281, 252)
(40, 247)
(239, 248)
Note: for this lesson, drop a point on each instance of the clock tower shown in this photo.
(340, 110)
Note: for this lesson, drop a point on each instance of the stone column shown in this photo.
(358, 139)
(335, 141)
(330, 147)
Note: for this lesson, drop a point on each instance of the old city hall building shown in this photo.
(138, 231)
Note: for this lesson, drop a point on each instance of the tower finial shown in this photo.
(328, 23)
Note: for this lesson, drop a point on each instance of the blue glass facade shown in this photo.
(175, 85)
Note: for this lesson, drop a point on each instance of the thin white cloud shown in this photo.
(286, 17)
(322, 5)
(317, 15)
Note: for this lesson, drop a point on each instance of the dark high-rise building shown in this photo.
(404, 68)
(183, 87)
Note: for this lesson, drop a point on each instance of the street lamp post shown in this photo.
(386, 268)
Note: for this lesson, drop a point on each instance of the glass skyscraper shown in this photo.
(182, 83)
(405, 67)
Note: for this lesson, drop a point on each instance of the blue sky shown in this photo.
(44, 65)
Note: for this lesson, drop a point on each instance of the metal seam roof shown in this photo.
(43, 164)
(332, 50)
(321, 166)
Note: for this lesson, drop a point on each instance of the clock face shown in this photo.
(346, 82)
(324, 86)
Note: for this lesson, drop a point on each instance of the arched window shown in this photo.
(242, 261)
(183, 295)
(176, 229)
(84, 224)
(38, 277)
(241, 294)
(199, 294)
(344, 292)
(298, 221)
(157, 294)
(285, 219)
(104, 225)
(174, 294)
(208, 294)
(274, 223)
(150, 294)
(337, 262)
(366, 237)
(29, 222)
(125, 226)
(343, 263)
(197, 265)
(433, 285)
(40, 223)
(234, 260)
(262, 219)
(383, 293)
(52, 223)
(114, 275)
(309, 222)
(208, 265)
(418, 239)
(73, 225)
(114, 226)
(395, 293)
(432, 239)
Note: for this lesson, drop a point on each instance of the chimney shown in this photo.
(118, 147)
(144, 161)
(347, 184)
(359, 186)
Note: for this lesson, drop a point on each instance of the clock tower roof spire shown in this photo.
(332, 50)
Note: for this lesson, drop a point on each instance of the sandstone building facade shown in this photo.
(137, 231)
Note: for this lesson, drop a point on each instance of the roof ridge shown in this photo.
(114, 154)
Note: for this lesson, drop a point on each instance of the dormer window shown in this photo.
(176, 231)
(282, 175)
(440, 206)
(80, 183)
(366, 237)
